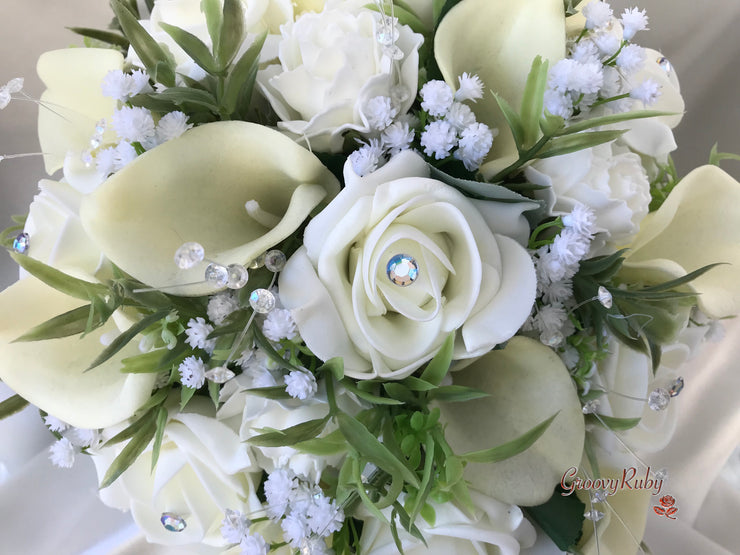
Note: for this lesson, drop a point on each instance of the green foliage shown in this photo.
(561, 518)
(716, 157)
(663, 184)
(12, 405)
(108, 37)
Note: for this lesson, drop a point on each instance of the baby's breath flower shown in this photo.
(367, 158)
(300, 385)
(438, 139)
(279, 324)
(631, 58)
(598, 14)
(475, 142)
(436, 97)
(54, 424)
(220, 306)
(460, 116)
(192, 372)
(171, 126)
(633, 20)
(471, 88)
(254, 544)
(234, 526)
(197, 332)
(134, 124)
(646, 92)
(397, 137)
(380, 112)
(62, 453)
(279, 487)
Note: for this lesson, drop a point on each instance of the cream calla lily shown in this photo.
(498, 41)
(696, 226)
(527, 383)
(194, 188)
(50, 374)
(73, 101)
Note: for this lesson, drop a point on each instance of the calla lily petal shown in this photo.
(73, 101)
(50, 374)
(499, 41)
(696, 226)
(527, 383)
(194, 188)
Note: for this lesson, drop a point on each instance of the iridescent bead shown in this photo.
(216, 274)
(237, 276)
(661, 474)
(664, 64)
(402, 270)
(598, 496)
(605, 298)
(189, 254)
(593, 515)
(591, 406)
(173, 522)
(100, 127)
(257, 262)
(262, 301)
(387, 35)
(21, 243)
(659, 398)
(676, 386)
(551, 339)
(275, 260)
(393, 52)
(219, 374)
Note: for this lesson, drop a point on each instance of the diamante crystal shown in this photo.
(393, 52)
(676, 386)
(262, 301)
(257, 262)
(238, 276)
(593, 515)
(661, 474)
(387, 35)
(551, 339)
(173, 522)
(219, 374)
(100, 127)
(605, 298)
(665, 64)
(21, 243)
(275, 260)
(598, 496)
(659, 398)
(189, 254)
(95, 142)
(591, 406)
(216, 274)
(402, 270)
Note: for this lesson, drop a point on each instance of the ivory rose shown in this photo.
(472, 279)
(331, 65)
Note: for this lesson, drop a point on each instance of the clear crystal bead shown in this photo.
(275, 260)
(219, 374)
(100, 127)
(676, 387)
(665, 64)
(87, 158)
(661, 474)
(605, 298)
(551, 339)
(402, 270)
(21, 243)
(257, 262)
(262, 301)
(173, 522)
(189, 254)
(216, 274)
(593, 515)
(393, 52)
(387, 35)
(94, 142)
(591, 406)
(237, 276)
(598, 496)
(659, 398)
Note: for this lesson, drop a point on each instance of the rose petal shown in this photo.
(194, 188)
(73, 101)
(50, 374)
(498, 41)
(696, 226)
(527, 383)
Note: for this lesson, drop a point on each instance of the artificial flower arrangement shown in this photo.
(365, 277)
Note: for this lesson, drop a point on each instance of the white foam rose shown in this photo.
(608, 179)
(331, 65)
(203, 469)
(493, 527)
(473, 279)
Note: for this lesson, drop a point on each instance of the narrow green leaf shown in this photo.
(264, 344)
(682, 280)
(156, 399)
(108, 37)
(510, 448)
(600, 264)
(370, 448)
(12, 405)
(426, 479)
(438, 367)
(122, 340)
(456, 394)
(193, 47)
(214, 391)
(64, 283)
(360, 489)
(73, 322)
(322, 446)
(418, 384)
(275, 392)
(232, 33)
(159, 434)
(145, 363)
(532, 101)
(512, 119)
(334, 366)
(400, 392)
(616, 424)
(581, 141)
(369, 397)
(292, 435)
(184, 95)
(408, 525)
(214, 20)
(130, 452)
(610, 119)
(186, 393)
(240, 83)
(131, 429)
(155, 59)
(551, 124)
(561, 518)
(716, 157)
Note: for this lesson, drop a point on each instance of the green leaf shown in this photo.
(408, 525)
(418, 384)
(214, 19)
(532, 101)
(240, 83)
(64, 283)
(214, 391)
(601, 264)
(510, 448)
(12, 405)
(716, 157)
(609, 120)
(104, 36)
(438, 367)
(159, 434)
(193, 47)
(551, 124)
(367, 396)
(616, 424)
(333, 444)
(334, 366)
(483, 190)
(73, 322)
(186, 393)
(122, 340)
(130, 452)
(264, 344)
(185, 95)
(681, 280)
(513, 119)
(232, 33)
(275, 392)
(157, 62)
(581, 141)
(292, 435)
(400, 392)
(561, 518)
(153, 361)
(456, 394)
(359, 437)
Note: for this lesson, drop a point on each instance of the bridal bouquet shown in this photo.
(366, 277)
